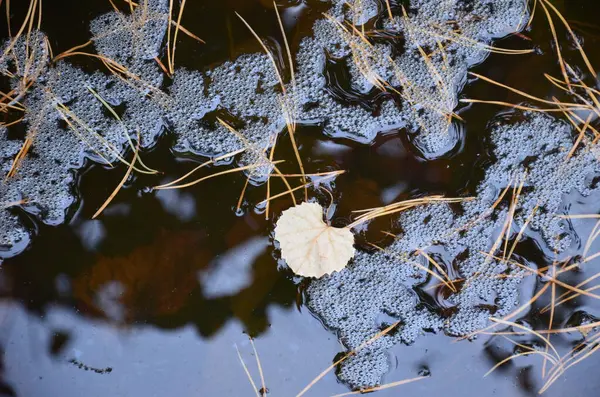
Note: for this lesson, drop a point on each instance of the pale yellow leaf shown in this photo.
(310, 247)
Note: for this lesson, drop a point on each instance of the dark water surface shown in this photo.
(152, 298)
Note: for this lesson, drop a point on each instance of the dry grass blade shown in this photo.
(520, 25)
(573, 36)
(13, 102)
(241, 199)
(552, 280)
(561, 61)
(82, 137)
(331, 200)
(389, 10)
(580, 328)
(382, 387)
(346, 356)
(584, 352)
(513, 314)
(447, 283)
(188, 33)
(486, 213)
(285, 41)
(17, 121)
(328, 173)
(19, 158)
(249, 146)
(363, 52)
(172, 63)
(511, 215)
(247, 372)
(574, 119)
(582, 131)
(125, 75)
(565, 298)
(263, 391)
(374, 213)
(69, 51)
(512, 357)
(579, 353)
(69, 115)
(513, 106)
(520, 234)
(504, 233)
(529, 331)
(287, 184)
(522, 93)
(452, 282)
(592, 237)
(15, 203)
(266, 50)
(7, 16)
(439, 268)
(591, 258)
(125, 132)
(551, 319)
(569, 90)
(169, 24)
(580, 216)
(162, 66)
(570, 295)
(286, 102)
(279, 174)
(120, 185)
(26, 21)
(444, 92)
(455, 36)
(212, 161)
(291, 190)
(231, 171)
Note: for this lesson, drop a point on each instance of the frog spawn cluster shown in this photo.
(379, 289)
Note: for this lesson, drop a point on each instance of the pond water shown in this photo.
(152, 298)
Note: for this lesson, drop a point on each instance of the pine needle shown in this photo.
(260, 370)
(374, 213)
(289, 115)
(382, 387)
(561, 61)
(125, 131)
(212, 161)
(177, 26)
(447, 283)
(511, 315)
(247, 372)
(120, 185)
(346, 356)
(331, 175)
(230, 171)
(573, 36)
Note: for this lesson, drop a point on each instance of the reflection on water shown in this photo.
(146, 361)
(230, 273)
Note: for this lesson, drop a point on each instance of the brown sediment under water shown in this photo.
(153, 298)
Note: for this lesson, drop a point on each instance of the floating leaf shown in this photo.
(310, 247)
